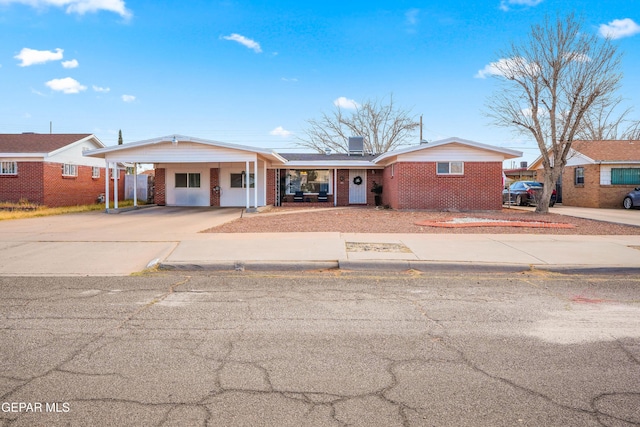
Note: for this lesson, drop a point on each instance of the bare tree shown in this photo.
(609, 122)
(383, 126)
(550, 84)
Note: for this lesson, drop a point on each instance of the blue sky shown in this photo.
(252, 72)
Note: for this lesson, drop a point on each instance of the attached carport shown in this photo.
(197, 172)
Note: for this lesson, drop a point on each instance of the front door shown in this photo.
(357, 187)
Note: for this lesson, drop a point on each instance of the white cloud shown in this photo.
(292, 79)
(70, 64)
(619, 28)
(343, 102)
(507, 67)
(251, 44)
(280, 131)
(100, 89)
(78, 6)
(66, 85)
(128, 98)
(412, 16)
(32, 56)
(504, 4)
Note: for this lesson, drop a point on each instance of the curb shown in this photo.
(391, 266)
(250, 266)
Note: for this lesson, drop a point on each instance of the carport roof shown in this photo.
(102, 152)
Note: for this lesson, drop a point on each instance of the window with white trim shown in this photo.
(187, 180)
(8, 168)
(309, 181)
(239, 180)
(95, 172)
(450, 168)
(579, 176)
(69, 170)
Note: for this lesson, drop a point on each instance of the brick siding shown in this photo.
(214, 179)
(43, 183)
(415, 185)
(27, 184)
(159, 196)
(591, 194)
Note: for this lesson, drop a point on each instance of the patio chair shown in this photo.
(322, 196)
(298, 196)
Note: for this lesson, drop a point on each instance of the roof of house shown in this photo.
(37, 142)
(608, 151)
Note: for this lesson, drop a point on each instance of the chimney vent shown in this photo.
(327, 151)
(523, 165)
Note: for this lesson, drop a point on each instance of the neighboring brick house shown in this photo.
(453, 174)
(50, 169)
(599, 173)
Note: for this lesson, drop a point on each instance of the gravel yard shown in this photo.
(371, 220)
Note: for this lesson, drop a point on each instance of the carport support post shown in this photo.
(135, 184)
(255, 183)
(107, 170)
(247, 182)
(115, 185)
(335, 187)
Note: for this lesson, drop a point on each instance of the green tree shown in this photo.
(120, 137)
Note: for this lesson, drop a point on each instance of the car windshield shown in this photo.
(534, 184)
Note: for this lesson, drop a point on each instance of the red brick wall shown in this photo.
(28, 184)
(77, 190)
(271, 187)
(159, 196)
(44, 184)
(417, 186)
(390, 187)
(214, 179)
(342, 187)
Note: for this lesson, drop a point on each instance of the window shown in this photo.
(625, 176)
(450, 168)
(69, 170)
(95, 172)
(579, 176)
(187, 180)
(8, 168)
(309, 181)
(238, 180)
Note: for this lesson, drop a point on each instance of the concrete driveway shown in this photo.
(101, 244)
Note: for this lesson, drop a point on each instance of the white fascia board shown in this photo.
(78, 142)
(619, 162)
(508, 153)
(326, 164)
(102, 151)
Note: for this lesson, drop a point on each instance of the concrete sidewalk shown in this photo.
(96, 244)
(510, 252)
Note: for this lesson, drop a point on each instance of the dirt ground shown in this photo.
(371, 220)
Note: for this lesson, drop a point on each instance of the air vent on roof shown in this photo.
(356, 146)
(523, 165)
(327, 151)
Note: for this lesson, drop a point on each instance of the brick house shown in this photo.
(449, 174)
(598, 173)
(50, 169)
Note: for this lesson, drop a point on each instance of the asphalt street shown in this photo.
(325, 348)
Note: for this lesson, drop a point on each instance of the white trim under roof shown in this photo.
(78, 142)
(183, 138)
(329, 164)
(508, 153)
